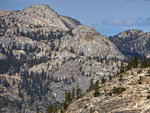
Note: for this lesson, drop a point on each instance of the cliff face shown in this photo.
(133, 43)
(126, 93)
(43, 54)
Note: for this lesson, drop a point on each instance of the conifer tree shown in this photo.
(91, 84)
(50, 109)
(73, 93)
(143, 63)
(103, 80)
(65, 105)
(133, 63)
(61, 111)
(96, 89)
(122, 67)
(68, 98)
(79, 92)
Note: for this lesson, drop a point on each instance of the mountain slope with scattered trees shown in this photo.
(44, 55)
(127, 92)
(133, 43)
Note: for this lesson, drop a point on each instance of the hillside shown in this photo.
(127, 92)
(133, 43)
(44, 54)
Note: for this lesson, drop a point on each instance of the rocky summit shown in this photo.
(43, 54)
(133, 43)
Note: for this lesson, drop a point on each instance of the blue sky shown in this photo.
(108, 17)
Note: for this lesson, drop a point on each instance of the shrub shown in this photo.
(118, 90)
(147, 75)
(140, 82)
(50, 109)
(139, 71)
(120, 79)
(110, 94)
(103, 80)
(148, 96)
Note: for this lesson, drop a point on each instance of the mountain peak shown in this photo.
(40, 10)
(129, 32)
(38, 6)
(47, 54)
(43, 15)
(132, 43)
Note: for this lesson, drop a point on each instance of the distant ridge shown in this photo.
(133, 43)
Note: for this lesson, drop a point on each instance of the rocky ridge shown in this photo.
(133, 43)
(43, 54)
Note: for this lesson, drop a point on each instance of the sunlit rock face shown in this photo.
(44, 54)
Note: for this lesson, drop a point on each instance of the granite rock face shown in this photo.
(133, 43)
(44, 54)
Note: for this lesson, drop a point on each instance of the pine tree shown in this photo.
(65, 105)
(103, 80)
(68, 97)
(79, 92)
(61, 111)
(143, 63)
(73, 93)
(122, 67)
(50, 109)
(96, 89)
(133, 62)
(91, 84)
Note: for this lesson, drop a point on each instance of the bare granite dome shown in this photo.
(43, 15)
(87, 41)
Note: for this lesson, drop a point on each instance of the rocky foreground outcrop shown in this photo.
(43, 54)
(133, 43)
(128, 92)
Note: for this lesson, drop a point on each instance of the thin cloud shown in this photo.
(128, 22)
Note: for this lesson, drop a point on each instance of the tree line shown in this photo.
(134, 63)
